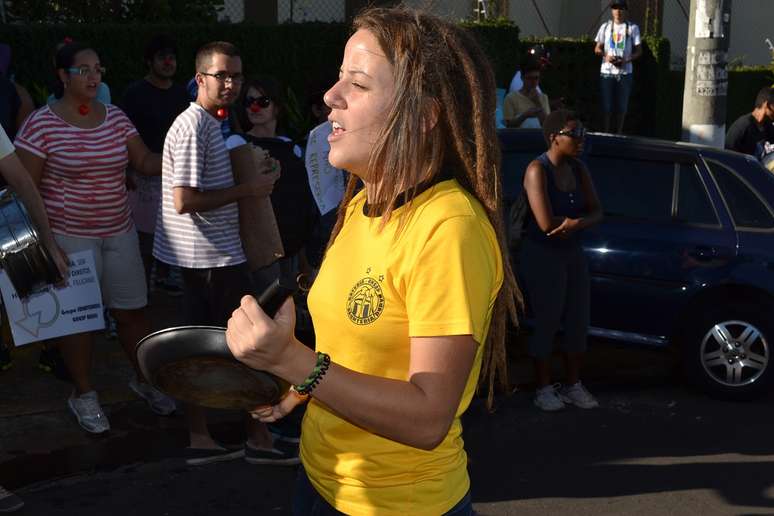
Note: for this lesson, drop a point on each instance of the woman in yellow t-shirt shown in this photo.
(411, 301)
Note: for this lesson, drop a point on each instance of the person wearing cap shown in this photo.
(152, 104)
(618, 43)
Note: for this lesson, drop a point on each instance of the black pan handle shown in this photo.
(280, 289)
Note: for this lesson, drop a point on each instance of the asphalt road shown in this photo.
(654, 447)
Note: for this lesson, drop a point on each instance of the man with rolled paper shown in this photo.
(197, 228)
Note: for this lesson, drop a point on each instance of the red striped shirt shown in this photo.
(84, 178)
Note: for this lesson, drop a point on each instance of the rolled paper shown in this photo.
(257, 224)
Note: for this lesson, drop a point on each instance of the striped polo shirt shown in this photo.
(84, 177)
(195, 156)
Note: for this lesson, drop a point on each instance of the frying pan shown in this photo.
(193, 363)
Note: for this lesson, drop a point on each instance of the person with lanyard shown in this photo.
(411, 302)
(197, 229)
(152, 104)
(562, 203)
(77, 150)
(619, 44)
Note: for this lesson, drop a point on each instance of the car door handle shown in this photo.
(703, 253)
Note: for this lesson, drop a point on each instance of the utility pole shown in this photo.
(706, 76)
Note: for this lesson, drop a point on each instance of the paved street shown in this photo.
(654, 447)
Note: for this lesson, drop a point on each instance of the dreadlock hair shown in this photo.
(440, 74)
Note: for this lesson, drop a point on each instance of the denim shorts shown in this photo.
(615, 92)
(308, 502)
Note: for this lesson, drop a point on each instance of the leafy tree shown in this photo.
(112, 11)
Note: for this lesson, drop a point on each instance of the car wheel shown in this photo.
(728, 352)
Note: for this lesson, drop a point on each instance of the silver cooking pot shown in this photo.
(23, 257)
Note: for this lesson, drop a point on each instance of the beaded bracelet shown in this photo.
(320, 368)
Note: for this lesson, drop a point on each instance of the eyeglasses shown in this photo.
(577, 134)
(262, 101)
(223, 77)
(86, 70)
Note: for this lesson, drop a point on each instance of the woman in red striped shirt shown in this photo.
(77, 150)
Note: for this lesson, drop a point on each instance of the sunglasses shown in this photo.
(262, 101)
(223, 77)
(577, 134)
(83, 71)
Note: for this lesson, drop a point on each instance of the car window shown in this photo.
(514, 165)
(693, 204)
(631, 188)
(747, 209)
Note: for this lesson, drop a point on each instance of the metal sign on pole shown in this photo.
(706, 74)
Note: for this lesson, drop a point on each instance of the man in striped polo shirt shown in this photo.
(197, 228)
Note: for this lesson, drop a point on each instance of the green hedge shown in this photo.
(574, 75)
(295, 53)
(743, 86)
(303, 54)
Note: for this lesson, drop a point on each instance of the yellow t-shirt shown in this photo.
(439, 276)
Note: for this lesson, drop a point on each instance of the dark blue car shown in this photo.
(684, 256)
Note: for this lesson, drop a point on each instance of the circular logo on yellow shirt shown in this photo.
(365, 302)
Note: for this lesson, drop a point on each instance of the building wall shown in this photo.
(564, 18)
(752, 21)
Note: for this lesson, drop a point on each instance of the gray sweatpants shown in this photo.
(557, 282)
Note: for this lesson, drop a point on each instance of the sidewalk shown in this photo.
(40, 440)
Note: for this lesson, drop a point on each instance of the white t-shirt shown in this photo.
(619, 40)
(6, 147)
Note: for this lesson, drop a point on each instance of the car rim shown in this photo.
(734, 353)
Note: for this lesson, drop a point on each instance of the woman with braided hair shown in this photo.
(411, 302)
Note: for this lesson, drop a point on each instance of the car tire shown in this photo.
(728, 352)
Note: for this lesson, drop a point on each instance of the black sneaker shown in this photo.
(9, 502)
(288, 431)
(5, 358)
(51, 361)
(204, 456)
(282, 456)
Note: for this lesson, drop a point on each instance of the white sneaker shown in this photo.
(159, 403)
(546, 399)
(579, 396)
(87, 411)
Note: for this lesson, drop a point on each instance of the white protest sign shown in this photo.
(325, 180)
(53, 312)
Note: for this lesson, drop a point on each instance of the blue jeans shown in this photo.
(308, 502)
(615, 91)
